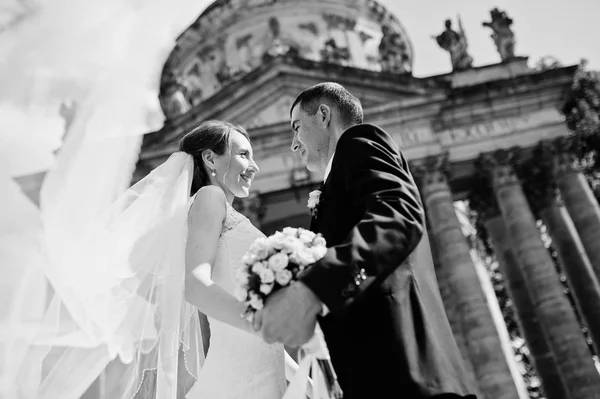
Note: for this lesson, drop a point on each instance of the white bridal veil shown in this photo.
(107, 55)
(120, 293)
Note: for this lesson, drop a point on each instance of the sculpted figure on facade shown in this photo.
(174, 97)
(503, 36)
(393, 52)
(455, 43)
(277, 45)
(332, 53)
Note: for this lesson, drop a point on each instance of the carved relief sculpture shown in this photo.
(503, 36)
(456, 44)
(393, 52)
(331, 53)
(279, 41)
(173, 95)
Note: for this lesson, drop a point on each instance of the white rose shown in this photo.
(240, 293)
(307, 236)
(276, 240)
(261, 248)
(313, 199)
(266, 288)
(289, 231)
(256, 302)
(303, 257)
(283, 277)
(291, 244)
(258, 267)
(267, 276)
(319, 240)
(319, 252)
(278, 262)
(249, 258)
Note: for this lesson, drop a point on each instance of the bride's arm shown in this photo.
(206, 217)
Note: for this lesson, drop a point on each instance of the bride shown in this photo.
(128, 294)
(239, 363)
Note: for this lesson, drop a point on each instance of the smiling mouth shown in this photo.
(247, 178)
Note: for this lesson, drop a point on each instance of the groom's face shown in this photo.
(311, 137)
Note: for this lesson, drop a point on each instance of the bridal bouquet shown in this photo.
(273, 263)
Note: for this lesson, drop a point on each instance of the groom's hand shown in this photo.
(290, 315)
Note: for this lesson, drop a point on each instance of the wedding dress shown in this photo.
(238, 365)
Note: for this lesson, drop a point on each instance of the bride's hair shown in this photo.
(208, 135)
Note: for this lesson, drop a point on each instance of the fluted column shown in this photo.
(483, 201)
(580, 202)
(470, 310)
(540, 187)
(553, 310)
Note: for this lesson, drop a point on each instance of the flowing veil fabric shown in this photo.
(120, 293)
(107, 56)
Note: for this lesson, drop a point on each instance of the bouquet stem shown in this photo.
(318, 348)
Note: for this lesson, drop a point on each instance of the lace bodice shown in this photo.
(238, 365)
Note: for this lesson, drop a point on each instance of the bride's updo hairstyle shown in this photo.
(208, 135)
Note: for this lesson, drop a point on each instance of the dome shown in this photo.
(233, 37)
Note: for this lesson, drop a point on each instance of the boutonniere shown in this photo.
(313, 201)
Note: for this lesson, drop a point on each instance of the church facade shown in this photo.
(472, 134)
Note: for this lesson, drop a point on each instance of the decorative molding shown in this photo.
(498, 127)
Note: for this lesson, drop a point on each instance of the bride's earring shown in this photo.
(212, 173)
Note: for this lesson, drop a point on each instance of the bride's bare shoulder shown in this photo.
(209, 203)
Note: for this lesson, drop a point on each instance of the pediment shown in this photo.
(266, 99)
(264, 96)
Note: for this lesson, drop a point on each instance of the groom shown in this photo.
(381, 313)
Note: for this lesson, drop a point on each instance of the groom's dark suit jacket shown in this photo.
(387, 330)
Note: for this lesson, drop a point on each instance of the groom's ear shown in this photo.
(324, 114)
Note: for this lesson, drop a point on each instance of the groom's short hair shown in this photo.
(335, 96)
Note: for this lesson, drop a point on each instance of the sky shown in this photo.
(566, 30)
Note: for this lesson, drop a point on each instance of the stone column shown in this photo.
(469, 307)
(483, 201)
(452, 311)
(542, 356)
(553, 310)
(540, 188)
(580, 202)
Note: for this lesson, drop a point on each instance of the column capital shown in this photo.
(499, 165)
(538, 174)
(567, 154)
(431, 170)
(481, 198)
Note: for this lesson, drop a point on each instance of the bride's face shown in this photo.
(236, 168)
